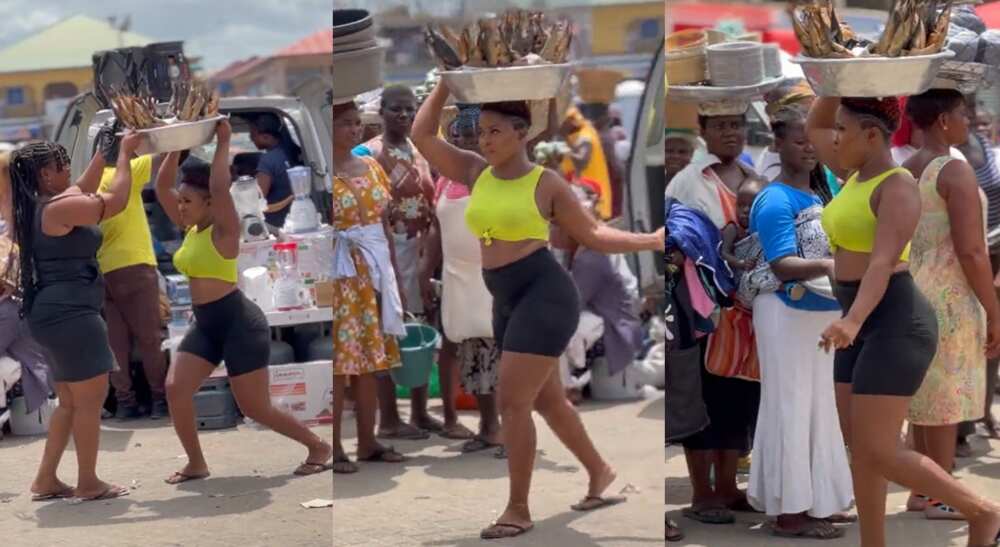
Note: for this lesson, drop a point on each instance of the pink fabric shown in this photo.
(451, 190)
(700, 300)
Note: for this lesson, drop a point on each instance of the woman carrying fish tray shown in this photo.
(535, 303)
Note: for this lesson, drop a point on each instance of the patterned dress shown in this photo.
(359, 344)
(955, 386)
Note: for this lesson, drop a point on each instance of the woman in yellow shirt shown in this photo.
(536, 306)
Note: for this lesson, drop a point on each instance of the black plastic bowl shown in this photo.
(350, 21)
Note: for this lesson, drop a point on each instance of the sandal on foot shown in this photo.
(937, 510)
(503, 530)
(50, 496)
(591, 503)
(406, 433)
(814, 529)
(342, 465)
(741, 505)
(111, 493)
(457, 432)
(310, 468)
(673, 531)
(501, 453)
(477, 444)
(179, 477)
(841, 518)
(709, 515)
(383, 455)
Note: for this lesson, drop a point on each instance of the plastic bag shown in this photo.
(965, 17)
(964, 43)
(989, 48)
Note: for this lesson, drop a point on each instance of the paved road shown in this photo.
(441, 498)
(252, 499)
(903, 529)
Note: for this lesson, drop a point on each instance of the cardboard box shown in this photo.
(324, 294)
(305, 390)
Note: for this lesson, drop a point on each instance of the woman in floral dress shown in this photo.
(952, 268)
(367, 309)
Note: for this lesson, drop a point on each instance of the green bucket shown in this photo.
(418, 350)
(433, 388)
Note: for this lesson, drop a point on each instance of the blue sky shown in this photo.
(220, 31)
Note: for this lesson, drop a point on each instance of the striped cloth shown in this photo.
(732, 348)
(988, 175)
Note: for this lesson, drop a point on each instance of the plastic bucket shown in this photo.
(417, 349)
(433, 387)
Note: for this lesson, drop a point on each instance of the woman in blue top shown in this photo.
(799, 473)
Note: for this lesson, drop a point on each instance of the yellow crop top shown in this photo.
(848, 220)
(198, 257)
(506, 209)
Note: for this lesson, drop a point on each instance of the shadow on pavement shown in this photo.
(553, 531)
(215, 497)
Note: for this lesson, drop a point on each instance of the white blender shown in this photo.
(303, 216)
(250, 205)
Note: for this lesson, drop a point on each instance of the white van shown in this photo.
(645, 182)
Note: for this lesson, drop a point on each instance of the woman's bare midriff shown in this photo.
(502, 253)
(206, 291)
(850, 266)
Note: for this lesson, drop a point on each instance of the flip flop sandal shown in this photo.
(415, 434)
(501, 453)
(178, 478)
(457, 433)
(50, 496)
(917, 503)
(591, 503)
(309, 468)
(347, 467)
(841, 518)
(477, 444)
(673, 532)
(709, 515)
(435, 427)
(383, 456)
(109, 494)
(937, 510)
(742, 505)
(816, 529)
(496, 530)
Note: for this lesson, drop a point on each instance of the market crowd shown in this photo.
(822, 293)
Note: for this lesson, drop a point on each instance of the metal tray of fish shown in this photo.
(964, 77)
(513, 83)
(700, 93)
(177, 136)
(872, 76)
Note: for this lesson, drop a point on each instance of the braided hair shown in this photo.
(781, 119)
(25, 165)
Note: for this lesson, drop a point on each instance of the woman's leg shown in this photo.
(253, 394)
(60, 427)
(366, 400)
(339, 398)
(88, 399)
(565, 422)
(448, 376)
(699, 464)
(489, 418)
(878, 455)
(521, 379)
(938, 444)
(390, 424)
(184, 379)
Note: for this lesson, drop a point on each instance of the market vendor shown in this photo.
(132, 290)
(587, 159)
(281, 153)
